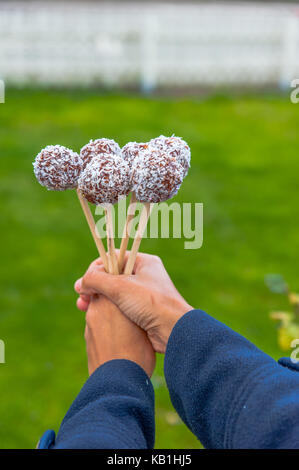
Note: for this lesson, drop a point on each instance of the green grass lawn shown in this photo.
(245, 169)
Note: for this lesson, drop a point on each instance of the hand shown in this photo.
(111, 335)
(147, 297)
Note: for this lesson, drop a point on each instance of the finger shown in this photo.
(96, 262)
(82, 305)
(85, 298)
(145, 262)
(97, 281)
(77, 286)
(78, 289)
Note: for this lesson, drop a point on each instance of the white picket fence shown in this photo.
(149, 44)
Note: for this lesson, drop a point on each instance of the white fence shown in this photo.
(148, 43)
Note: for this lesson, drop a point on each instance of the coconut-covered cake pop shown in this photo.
(156, 176)
(57, 168)
(98, 147)
(103, 173)
(106, 178)
(175, 147)
(132, 150)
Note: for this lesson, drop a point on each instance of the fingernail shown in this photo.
(78, 284)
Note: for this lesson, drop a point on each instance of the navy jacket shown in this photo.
(228, 392)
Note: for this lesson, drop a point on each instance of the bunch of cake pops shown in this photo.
(103, 173)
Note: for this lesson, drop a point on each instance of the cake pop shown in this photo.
(175, 147)
(98, 147)
(57, 168)
(132, 150)
(106, 178)
(156, 176)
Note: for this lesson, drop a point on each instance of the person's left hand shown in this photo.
(110, 335)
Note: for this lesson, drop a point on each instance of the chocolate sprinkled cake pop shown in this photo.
(175, 147)
(157, 176)
(98, 147)
(132, 150)
(57, 168)
(106, 178)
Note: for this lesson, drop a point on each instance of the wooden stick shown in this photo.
(126, 232)
(92, 226)
(146, 212)
(112, 258)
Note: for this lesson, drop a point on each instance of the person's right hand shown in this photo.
(147, 297)
(109, 335)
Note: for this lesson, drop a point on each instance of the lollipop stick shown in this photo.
(92, 226)
(126, 233)
(112, 258)
(146, 212)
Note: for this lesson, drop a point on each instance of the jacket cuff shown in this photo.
(118, 396)
(116, 377)
(178, 336)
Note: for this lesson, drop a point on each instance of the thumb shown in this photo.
(97, 281)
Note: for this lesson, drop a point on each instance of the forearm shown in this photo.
(228, 392)
(114, 410)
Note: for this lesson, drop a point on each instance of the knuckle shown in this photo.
(85, 281)
(146, 258)
(96, 262)
(88, 276)
(156, 259)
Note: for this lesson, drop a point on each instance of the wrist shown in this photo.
(169, 315)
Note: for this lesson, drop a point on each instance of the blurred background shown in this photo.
(149, 44)
(216, 73)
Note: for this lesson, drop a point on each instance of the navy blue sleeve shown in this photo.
(114, 410)
(228, 392)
